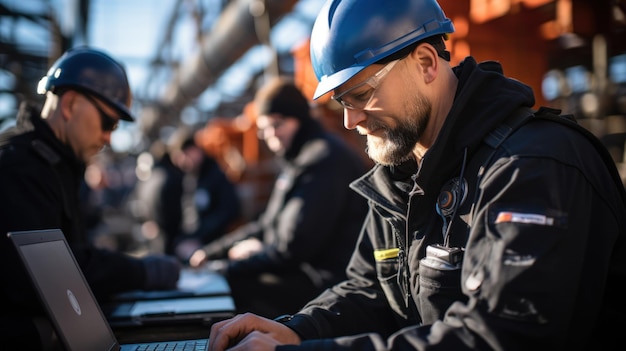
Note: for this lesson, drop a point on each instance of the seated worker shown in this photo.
(42, 162)
(189, 197)
(303, 240)
(480, 235)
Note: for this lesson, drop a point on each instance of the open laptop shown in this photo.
(193, 282)
(202, 297)
(187, 310)
(68, 299)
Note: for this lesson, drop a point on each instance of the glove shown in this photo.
(162, 272)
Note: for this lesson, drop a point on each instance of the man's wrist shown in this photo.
(283, 318)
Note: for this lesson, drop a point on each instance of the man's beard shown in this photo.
(397, 144)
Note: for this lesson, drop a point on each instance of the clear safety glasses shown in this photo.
(360, 101)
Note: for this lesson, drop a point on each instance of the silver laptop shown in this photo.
(68, 299)
(202, 297)
(154, 312)
(193, 282)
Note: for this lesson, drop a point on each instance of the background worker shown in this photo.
(42, 161)
(490, 227)
(302, 242)
(189, 196)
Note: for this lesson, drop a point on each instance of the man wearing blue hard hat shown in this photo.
(42, 162)
(491, 226)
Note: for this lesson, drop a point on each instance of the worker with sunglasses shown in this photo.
(42, 162)
(492, 224)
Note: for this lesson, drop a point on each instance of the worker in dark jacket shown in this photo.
(189, 196)
(303, 240)
(42, 161)
(491, 227)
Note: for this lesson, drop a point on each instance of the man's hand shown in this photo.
(245, 249)
(250, 332)
(197, 258)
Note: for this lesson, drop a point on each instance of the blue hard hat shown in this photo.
(349, 35)
(93, 71)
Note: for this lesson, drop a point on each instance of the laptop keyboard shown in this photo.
(187, 345)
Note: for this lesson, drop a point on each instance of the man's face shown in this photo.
(89, 125)
(393, 143)
(190, 159)
(277, 131)
(395, 116)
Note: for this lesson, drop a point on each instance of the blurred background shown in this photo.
(198, 63)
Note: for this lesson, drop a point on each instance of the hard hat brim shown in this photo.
(328, 83)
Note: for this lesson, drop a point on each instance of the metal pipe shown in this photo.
(232, 35)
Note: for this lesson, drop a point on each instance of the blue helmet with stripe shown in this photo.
(349, 35)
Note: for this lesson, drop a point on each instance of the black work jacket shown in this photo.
(215, 201)
(542, 231)
(312, 219)
(39, 184)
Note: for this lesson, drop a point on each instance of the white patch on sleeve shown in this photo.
(530, 218)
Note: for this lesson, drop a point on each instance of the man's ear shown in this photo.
(67, 104)
(427, 61)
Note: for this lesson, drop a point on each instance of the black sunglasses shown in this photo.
(107, 123)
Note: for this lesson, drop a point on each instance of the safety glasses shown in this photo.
(360, 101)
(107, 123)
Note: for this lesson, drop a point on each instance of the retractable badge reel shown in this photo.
(451, 197)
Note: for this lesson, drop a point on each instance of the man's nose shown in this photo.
(351, 118)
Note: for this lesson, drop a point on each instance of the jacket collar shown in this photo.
(484, 98)
(29, 119)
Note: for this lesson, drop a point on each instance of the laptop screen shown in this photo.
(70, 303)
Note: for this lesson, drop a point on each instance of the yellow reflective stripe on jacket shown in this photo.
(381, 255)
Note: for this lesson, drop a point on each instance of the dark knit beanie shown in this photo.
(281, 96)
